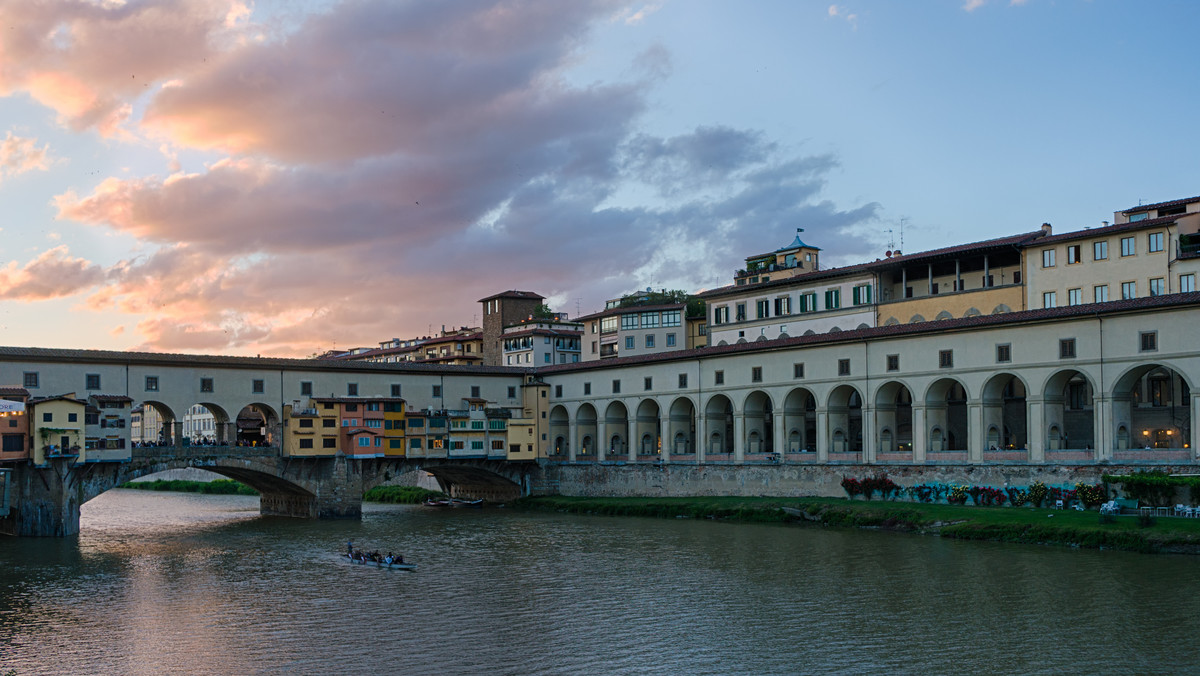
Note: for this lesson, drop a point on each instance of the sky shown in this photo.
(286, 177)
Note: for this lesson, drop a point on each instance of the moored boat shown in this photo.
(379, 564)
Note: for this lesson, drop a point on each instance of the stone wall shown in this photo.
(805, 480)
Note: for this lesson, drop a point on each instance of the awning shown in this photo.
(7, 406)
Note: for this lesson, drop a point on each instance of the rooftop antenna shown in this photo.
(902, 219)
(891, 240)
(577, 306)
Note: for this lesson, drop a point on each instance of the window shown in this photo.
(30, 379)
(616, 387)
(719, 378)
(682, 380)
(1047, 258)
(1148, 340)
(833, 299)
(721, 315)
(1154, 242)
(608, 325)
(647, 383)
(306, 422)
(306, 443)
(351, 389)
(1004, 353)
(93, 381)
(206, 384)
(1156, 286)
(256, 386)
(649, 340)
(593, 347)
(414, 444)
(798, 370)
(946, 359)
(546, 358)
(670, 340)
(1066, 348)
(741, 312)
(671, 318)
(587, 389)
(437, 391)
(328, 422)
(72, 417)
(893, 362)
(1128, 246)
(1074, 296)
(1099, 251)
(1073, 254)
(1048, 299)
(756, 374)
(395, 389)
(306, 388)
(649, 320)
(933, 288)
(808, 302)
(629, 321)
(47, 417)
(783, 306)
(151, 383)
(843, 367)
(762, 309)
(628, 342)
(1187, 283)
(474, 391)
(862, 294)
(1100, 293)
(1128, 290)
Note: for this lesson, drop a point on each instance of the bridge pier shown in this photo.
(46, 501)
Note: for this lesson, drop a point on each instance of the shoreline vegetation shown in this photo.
(1026, 525)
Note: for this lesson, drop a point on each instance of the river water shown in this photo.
(160, 583)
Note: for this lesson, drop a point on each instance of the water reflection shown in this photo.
(162, 583)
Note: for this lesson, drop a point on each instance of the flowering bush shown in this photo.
(852, 486)
(1037, 493)
(1017, 497)
(986, 495)
(1090, 496)
(958, 495)
(927, 493)
(868, 486)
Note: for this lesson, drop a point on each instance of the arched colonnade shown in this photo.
(1059, 415)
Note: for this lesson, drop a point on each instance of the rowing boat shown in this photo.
(381, 564)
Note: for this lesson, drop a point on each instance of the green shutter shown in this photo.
(856, 293)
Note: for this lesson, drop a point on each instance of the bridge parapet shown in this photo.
(194, 452)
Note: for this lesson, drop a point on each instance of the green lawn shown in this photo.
(1004, 524)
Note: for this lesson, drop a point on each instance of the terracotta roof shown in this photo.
(13, 392)
(56, 397)
(1110, 230)
(511, 293)
(357, 400)
(935, 326)
(112, 397)
(253, 363)
(541, 332)
(1161, 205)
(478, 335)
(631, 309)
(903, 260)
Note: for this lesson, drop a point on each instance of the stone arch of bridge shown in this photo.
(493, 481)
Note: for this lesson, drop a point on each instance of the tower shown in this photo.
(499, 311)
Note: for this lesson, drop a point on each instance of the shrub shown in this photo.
(852, 486)
(1090, 496)
(958, 495)
(1017, 496)
(1037, 493)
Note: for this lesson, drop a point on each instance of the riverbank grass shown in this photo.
(997, 524)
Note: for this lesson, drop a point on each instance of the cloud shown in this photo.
(53, 274)
(972, 5)
(835, 11)
(19, 155)
(387, 164)
(87, 61)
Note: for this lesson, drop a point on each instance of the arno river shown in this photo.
(174, 584)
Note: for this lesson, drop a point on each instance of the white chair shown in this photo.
(1058, 504)
(1180, 510)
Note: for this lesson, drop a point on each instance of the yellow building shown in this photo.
(311, 430)
(57, 427)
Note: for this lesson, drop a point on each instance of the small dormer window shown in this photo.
(808, 257)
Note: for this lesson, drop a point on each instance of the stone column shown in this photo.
(177, 426)
(739, 438)
(974, 432)
(572, 439)
(702, 442)
(1103, 433)
(780, 432)
(870, 441)
(1037, 428)
(1195, 440)
(822, 434)
(920, 440)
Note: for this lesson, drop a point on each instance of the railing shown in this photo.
(152, 452)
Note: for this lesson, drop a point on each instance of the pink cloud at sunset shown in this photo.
(377, 169)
